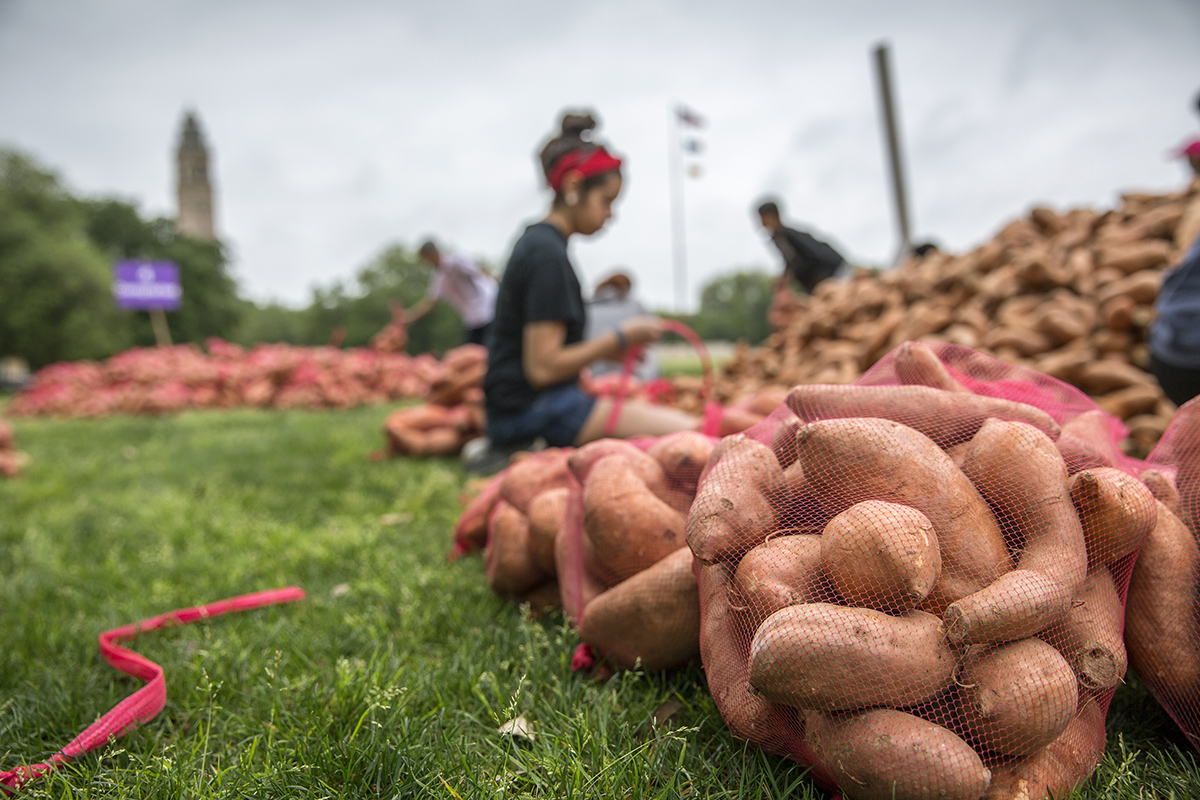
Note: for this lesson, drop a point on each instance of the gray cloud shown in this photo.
(339, 128)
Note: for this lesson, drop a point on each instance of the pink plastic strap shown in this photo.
(633, 353)
(144, 704)
(583, 659)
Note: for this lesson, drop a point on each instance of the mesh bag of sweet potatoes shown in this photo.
(599, 529)
(915, 584)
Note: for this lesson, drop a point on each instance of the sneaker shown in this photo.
(481, 458)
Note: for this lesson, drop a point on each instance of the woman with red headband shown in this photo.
(537, 349)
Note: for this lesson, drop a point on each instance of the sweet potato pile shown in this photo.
(10, 458)
(1068, 294)
(166, 380)
(918, 589)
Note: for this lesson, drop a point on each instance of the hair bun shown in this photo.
(575, 125)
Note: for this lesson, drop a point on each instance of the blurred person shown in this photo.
(537, 342)
(463, 284)
(612, 303)
(806, 259)
(1175, 333)
(1191, 152)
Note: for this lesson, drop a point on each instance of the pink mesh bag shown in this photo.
(1162, 630)
(915, 584)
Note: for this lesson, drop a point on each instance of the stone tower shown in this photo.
(194, 190)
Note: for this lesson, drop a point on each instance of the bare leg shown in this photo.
(635, 419)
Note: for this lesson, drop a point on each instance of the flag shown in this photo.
(687, 116)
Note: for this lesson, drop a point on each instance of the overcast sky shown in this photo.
(341, 127)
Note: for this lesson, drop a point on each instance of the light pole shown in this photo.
(895, 158)
(678, 116)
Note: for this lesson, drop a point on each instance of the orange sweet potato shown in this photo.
(831, 658)
(946, 417)
(883, 754)
(507, 562)
(1185, 441)
(1117, 512)
(724, 645)
(1162, 632)
(1090, 635)
(917, 365)
(847, 461)
(683, 456)
(735, 508)
(1086, 442)
(651, 619)
(470, 532)
(881, 555)
(533, 475)
(545, 521)
(1018, 697)
(780, 572)
(783, 441)
(1021, 473)
(629, 527)
(1162, 485)
(1060, 767)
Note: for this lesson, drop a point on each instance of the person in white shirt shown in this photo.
(612, 303)
(464, 285)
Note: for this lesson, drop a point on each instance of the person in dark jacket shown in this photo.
(806, 259)
(1175, 333)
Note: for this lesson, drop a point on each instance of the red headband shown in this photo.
(587, 161)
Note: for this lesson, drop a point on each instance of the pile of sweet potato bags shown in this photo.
(915, 588)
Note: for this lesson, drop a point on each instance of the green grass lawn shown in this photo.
(390, 680)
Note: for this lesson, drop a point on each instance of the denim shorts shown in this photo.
(557, 414)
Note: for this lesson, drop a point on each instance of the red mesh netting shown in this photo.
(599, 530)
(1162, 630)
(916, 583)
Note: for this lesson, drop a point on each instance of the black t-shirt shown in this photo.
(808, 259)
(539, 285)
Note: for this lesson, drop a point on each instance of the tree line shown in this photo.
(57, 251)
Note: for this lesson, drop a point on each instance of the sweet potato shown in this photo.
(509, 567)
(1060, 767)
(651, 619)
(470, 531)
(1087, 441)
(883, 754)
(683, 456)
(1090, 635)
(847, 461)
(533, 475)
(783, 441)
(1021, 473)
(1117, 512)
(946, 417)
(1185, 444)
(1162, 632)
(1018, 697)
(629, 527)
(831, 658)
(581, 461)
(881, 555)
(780, 572)
(735, 508)
(723, 649)
(917, 365)
(546, 514)
(1162, 485)
(578, 574)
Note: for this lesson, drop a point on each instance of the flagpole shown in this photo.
(678, 233)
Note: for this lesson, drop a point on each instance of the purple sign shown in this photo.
(146, 285)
